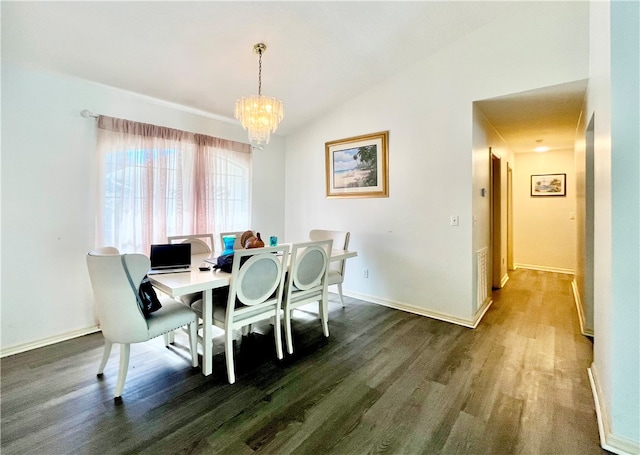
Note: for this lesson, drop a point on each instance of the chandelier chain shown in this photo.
(259, 115)
(260, 74)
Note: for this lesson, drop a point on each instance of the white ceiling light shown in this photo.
(540, 148)
(259, 115)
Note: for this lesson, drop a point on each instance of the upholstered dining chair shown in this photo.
(307, 282)
(336, 268)
(105, 250)
(121, 319)
(200, 243)
(255, 294)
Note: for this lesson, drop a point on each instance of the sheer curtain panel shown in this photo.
(157, 181)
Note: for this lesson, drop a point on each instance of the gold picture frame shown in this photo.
(358, 166)
(548, 185)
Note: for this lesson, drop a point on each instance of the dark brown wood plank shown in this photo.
(385, 381)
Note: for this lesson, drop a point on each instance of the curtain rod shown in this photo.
(87, 113)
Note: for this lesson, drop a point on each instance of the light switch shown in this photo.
(454, 221)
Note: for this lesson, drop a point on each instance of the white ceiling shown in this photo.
(543, 117)
(200, 54)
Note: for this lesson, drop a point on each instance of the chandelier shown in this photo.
(259, 115)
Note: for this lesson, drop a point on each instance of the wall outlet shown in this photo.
(365, 273)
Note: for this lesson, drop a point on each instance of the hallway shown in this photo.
(543, 368)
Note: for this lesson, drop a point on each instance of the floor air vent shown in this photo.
(482, 276)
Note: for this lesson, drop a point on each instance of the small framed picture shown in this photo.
(549, 185)
(358, 166)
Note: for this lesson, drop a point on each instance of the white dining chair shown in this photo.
(200, 243)
(307, 282)
(255, 294)
(237, 244)
(336, 268)
(120, 316)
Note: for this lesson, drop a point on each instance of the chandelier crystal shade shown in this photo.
(259, 115)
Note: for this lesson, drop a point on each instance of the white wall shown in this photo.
(416, 261)
(487, 141)
(49, 195)
(613, 97)
(583, 277)
(625, 219)
(544, 227)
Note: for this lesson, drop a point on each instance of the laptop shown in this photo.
(170, 258)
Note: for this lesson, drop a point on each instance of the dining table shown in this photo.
(204, 281)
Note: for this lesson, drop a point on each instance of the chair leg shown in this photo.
(246, 330)
(287, 330)
(340, 294)
(323, 308)
(277, 333)
(105, 356)
(125, 349)
(169, 338)
(228, 348)
(193, 343)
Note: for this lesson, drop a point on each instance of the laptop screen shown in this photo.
(170, 256)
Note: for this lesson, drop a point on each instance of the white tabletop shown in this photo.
(182, 283)
(195, 280)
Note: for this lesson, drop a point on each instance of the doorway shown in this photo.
(496, 217)
(589, 216)
(510, 265)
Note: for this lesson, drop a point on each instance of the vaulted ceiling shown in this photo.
(319, 54)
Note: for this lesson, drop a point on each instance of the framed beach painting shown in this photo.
(358, 166)
(549, 185)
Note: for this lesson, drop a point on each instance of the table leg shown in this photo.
(207, 333)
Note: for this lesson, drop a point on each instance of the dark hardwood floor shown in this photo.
(385, 381)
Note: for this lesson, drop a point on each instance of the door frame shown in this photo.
(510, 264)
(495, 217)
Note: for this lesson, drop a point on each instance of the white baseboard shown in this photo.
(544, 268)
(5, 352)
(481, 312)
(581, 318)
(608, 440)
(504, 280)
(470, 323)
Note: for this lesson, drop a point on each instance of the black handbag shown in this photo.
(145, 294)
(224, 263)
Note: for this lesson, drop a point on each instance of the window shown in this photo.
(156, 182)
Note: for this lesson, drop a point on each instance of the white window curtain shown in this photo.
(157, 181)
